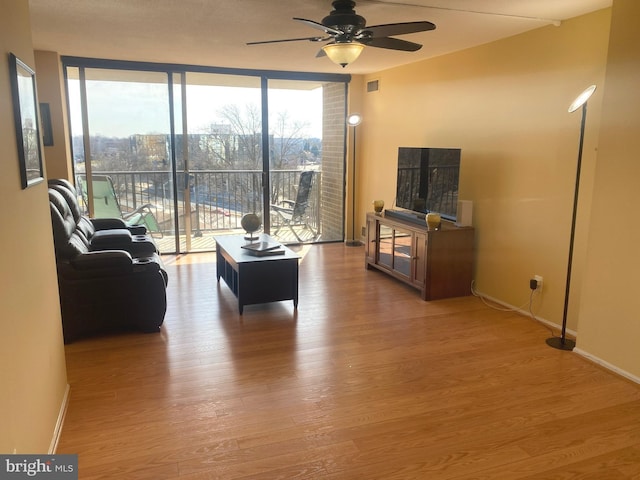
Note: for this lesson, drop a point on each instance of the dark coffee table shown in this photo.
(256, 279)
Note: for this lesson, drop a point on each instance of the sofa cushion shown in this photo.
(67, 241)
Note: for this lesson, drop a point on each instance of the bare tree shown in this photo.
(246, 127)
(287, 141)
(234, 142)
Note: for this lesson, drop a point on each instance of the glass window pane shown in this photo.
(224, 128)
(129, 157)
(305, 127)
(200, 174)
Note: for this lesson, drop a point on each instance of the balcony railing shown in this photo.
(217, 198)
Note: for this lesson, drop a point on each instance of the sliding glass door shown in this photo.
(306, 159)
(223, 152)
(190, 151)
(121, 125)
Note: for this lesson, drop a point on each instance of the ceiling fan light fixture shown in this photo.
(343, 53)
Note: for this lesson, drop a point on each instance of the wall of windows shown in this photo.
(190, 150)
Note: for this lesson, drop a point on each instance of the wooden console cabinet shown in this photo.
(439, 263)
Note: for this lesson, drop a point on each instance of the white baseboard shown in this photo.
(60, 422)
(573, 333)
(607, 365)
(526, 313)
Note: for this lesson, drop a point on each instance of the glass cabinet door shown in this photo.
(420, 254)
(385, 247)
(395, 250)
(371, 250)
(402, 255)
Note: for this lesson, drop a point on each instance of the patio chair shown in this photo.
(295, 213)
(107, 205)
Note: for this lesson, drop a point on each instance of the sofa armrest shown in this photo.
(109, 264)
(116, 239)
(137, 229)
(105, 259)
(113, 223)
(107, 223)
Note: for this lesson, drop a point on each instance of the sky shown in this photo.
(120, 109)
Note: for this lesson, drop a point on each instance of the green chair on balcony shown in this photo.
(296, 213)
(107, 205)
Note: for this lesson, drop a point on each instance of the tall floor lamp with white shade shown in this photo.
(353, 120)
(561, 342)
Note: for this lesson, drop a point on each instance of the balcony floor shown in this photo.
(205, 242)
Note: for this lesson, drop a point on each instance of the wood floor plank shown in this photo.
(363, 380)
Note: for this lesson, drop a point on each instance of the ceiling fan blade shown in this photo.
(319, 26)
(392, 44)
(393, 29)
(310, 39)
(348, 27)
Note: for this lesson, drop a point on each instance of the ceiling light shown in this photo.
(343, 53)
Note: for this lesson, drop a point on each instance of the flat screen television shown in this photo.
(428, 180)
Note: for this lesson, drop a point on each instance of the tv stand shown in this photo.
(439, 263)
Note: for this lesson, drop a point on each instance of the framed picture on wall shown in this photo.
(25, 112)
(47, 129)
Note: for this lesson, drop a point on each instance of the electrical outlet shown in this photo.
(364, 232)
(538, 279)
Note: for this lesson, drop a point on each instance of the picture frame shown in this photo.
(25, 112)
(47, 129)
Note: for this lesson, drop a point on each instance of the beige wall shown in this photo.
(609, 327)
(505, 104)
(51, 91)
(32, 366)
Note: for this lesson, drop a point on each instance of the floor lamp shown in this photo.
(562, 343)
(353, 120)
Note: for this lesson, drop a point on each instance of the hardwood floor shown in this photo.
(364, 381)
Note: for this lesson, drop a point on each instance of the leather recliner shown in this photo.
(105, 233)
(108, 282)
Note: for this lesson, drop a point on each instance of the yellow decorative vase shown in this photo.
(378, 205)
(433, 221)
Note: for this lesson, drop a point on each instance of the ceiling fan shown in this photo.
(348, 34)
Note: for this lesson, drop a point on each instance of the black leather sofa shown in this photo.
(110, 277)
(103, 233)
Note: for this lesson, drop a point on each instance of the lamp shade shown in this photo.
(354, 119)
(582, 98)
(343, 53)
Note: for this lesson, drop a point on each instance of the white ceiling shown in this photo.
(214, 32)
